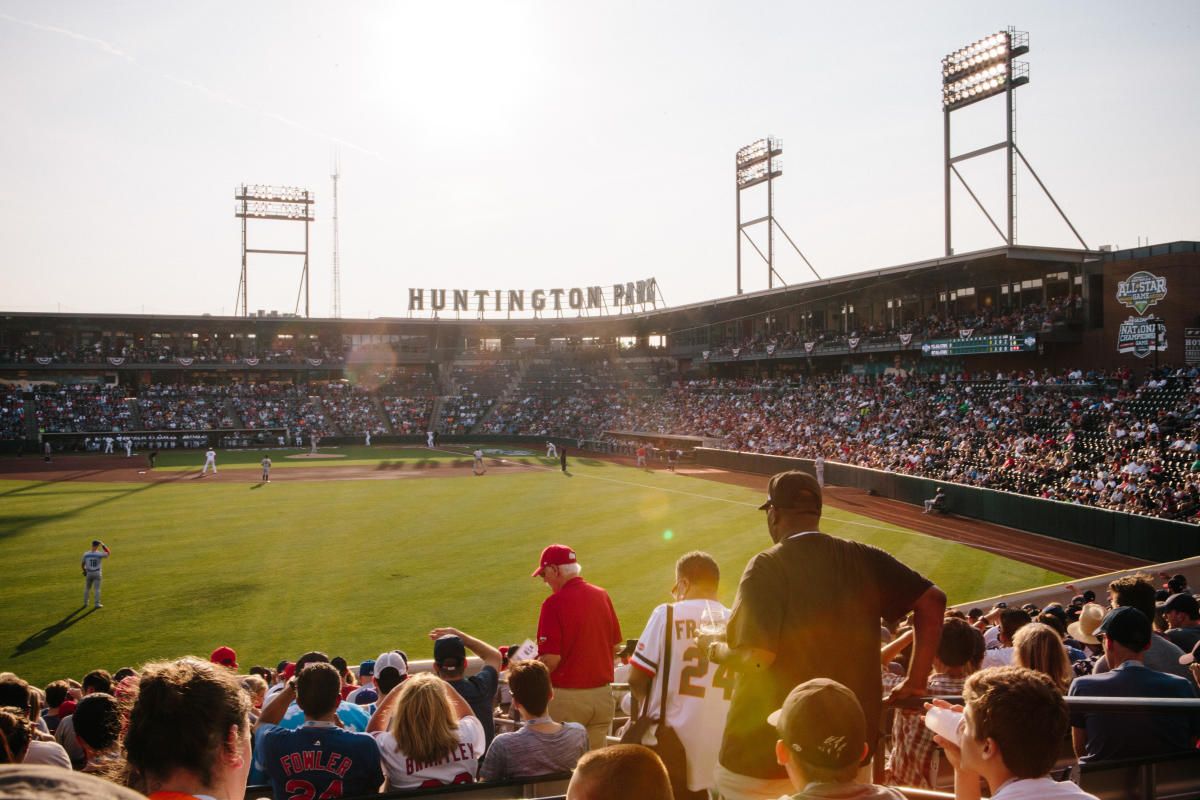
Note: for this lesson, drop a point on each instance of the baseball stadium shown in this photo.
(1014, 428)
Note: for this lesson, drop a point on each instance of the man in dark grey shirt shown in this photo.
(450, 664)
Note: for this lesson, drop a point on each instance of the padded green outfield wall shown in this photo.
(1153, 539)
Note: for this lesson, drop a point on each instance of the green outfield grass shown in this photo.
(358, 567)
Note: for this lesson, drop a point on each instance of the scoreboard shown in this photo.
(975, 345)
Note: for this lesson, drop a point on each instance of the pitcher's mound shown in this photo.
(317, 455)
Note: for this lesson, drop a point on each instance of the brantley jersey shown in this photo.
(459, 765)
(92, 561)
(698, 691)
(321, 760)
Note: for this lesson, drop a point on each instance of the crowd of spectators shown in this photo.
(352, 410)
(187, 408)
(210, 725)
(73, 408)
(12, 412)
(195, 352)
(1032, 318)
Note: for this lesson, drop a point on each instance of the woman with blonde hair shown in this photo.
(189, 732)
(427, 734)
(1037, 646)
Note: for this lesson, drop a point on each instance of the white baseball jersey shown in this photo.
(92, 561)
(698, 692)
(457, 766)
(479, 455)
(210, 455)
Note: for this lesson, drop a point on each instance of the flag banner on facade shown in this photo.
(905, 339)
(770, 349)
(808, 346)
(853, 342)
(43, 360)
(737, 351)
(251, 362)
(187, 362)
(706, 354)
(116, 361)
(314, 362)
(966, 333)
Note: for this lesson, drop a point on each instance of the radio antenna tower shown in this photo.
(337, 271)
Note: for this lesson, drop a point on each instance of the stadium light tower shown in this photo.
(981, 70)
(761, 162)
(281, 203)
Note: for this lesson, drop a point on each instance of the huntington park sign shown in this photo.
(622, 297)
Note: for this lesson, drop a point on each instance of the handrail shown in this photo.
(1105, 705)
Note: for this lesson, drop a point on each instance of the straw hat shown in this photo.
(1090, 617)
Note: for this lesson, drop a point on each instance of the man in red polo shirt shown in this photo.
(578, 632)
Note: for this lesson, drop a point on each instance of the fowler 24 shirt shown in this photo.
(321, 760)
(578, 623)
(815, 601)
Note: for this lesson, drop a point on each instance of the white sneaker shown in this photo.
(99, 605)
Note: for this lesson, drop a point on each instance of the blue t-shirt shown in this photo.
(479, 691)
(321, 760)
(1134, 735)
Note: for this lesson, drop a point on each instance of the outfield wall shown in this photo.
(1150, 538)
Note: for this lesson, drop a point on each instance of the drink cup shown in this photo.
(944, 723)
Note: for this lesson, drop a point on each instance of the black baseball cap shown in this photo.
(1126, 626)
(793, 490)
(449, 652)
(1184, 603)
(823, 724)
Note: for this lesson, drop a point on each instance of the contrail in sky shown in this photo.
(220, 97)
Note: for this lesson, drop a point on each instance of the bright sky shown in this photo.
(521, 145)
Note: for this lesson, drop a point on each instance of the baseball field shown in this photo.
(361, 550)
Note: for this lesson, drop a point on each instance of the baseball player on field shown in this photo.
(90, 564)
(266, 467)
(368, 438)
(429, 439)
(313, 441)
(108, 443)
(641, 455)
(551, 450)
(128, 447)
(479, 468)
(210, 460)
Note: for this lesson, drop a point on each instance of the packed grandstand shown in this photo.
(1095, 438)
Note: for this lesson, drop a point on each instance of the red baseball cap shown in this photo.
(288, 670)
(225, 656)
(554, 556)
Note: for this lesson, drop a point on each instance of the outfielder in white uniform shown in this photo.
(429, 439)
(313, 441)
(368, 438)
(551, 450)
(128, 447)
(90, 564)
(108, 443)
(266, 467)
(698, 692)
(210, 460)
(479, 468)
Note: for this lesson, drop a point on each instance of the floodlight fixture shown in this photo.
(983, 69)
(759, 162)
(280, 203)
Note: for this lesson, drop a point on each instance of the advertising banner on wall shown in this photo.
(1141, 336)
(1191, 345)
(1141, 290)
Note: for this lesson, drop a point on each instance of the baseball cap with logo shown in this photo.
(822, 722)
(449, 652)
(394, 659)
(367, 667)
(225, 656)
(794, 490)
(556, 555)
(1127, 627)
